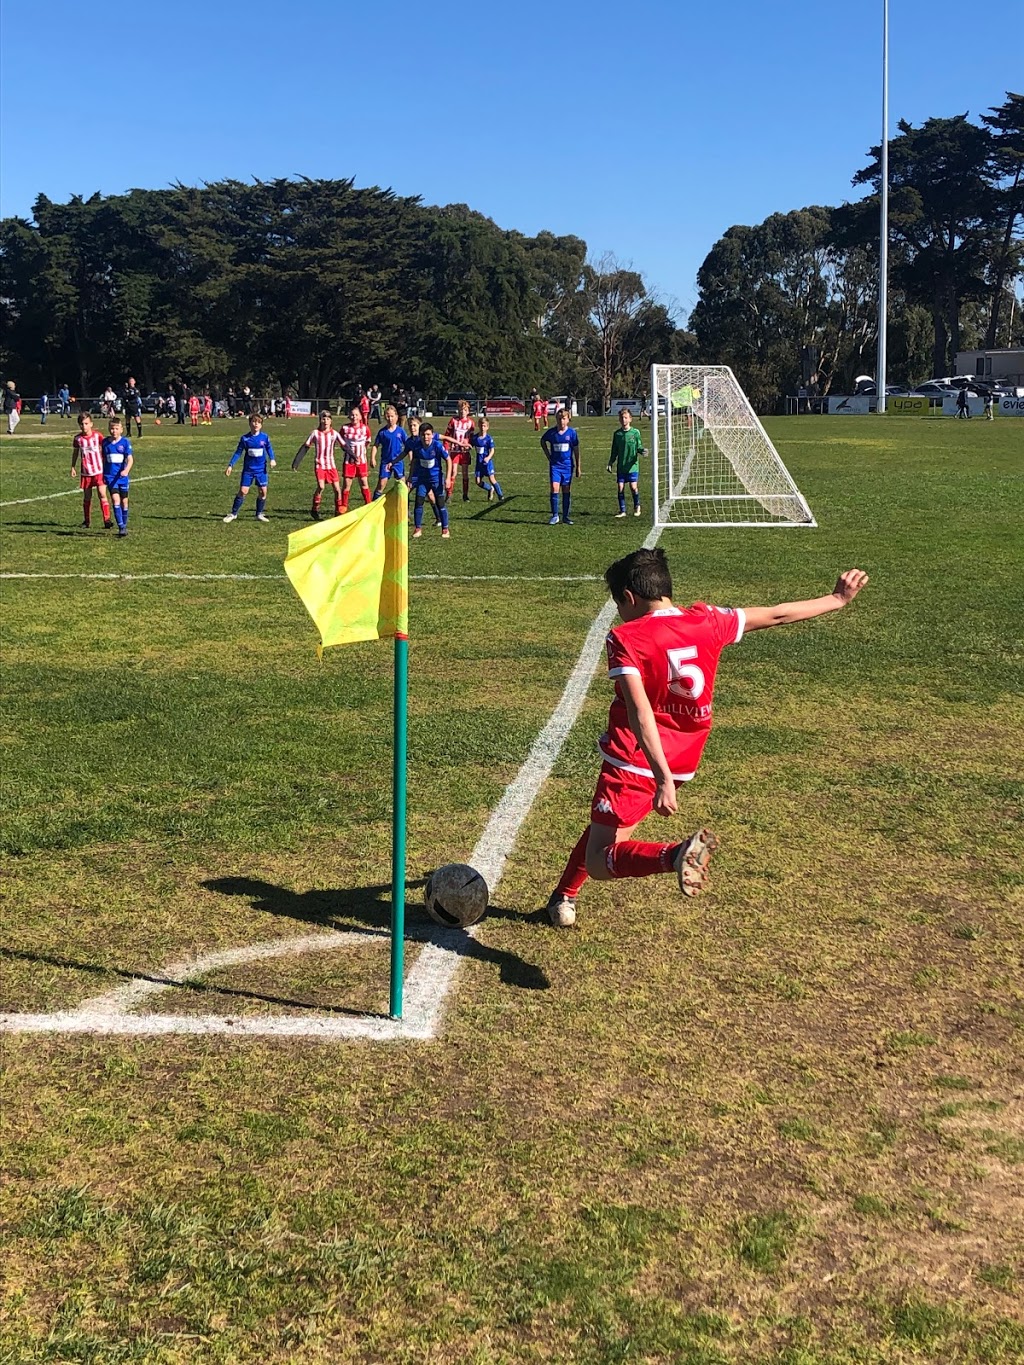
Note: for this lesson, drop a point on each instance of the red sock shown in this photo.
(344, 501)
(367, 495)
(338, 508)
(87, 508)
(570, 883)
(105, 509)
(316, 502)
(632, 858)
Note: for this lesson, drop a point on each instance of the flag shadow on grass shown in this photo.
(371, 906)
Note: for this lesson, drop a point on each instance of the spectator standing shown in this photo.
(11, 410)
(64, 401)
(44, 409)
(375, 397)
(963, 408)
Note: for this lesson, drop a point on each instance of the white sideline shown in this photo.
(282, 578)
(432, 975)
(69, 492)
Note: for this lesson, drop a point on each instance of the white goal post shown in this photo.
(713, 463)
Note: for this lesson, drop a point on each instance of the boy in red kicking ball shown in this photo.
(89, 445)
(663, 660)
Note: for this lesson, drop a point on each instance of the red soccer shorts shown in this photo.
(330, 475)
(459, 457)
(92, 481)
(622, 799)
(353, 471)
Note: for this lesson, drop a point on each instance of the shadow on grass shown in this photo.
(371, 906)
(200, 987)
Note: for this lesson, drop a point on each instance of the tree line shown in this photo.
(313, 287)
(809, 278)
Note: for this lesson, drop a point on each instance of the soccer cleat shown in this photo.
(417, 532)
(567, 521)
(561, 910)
(692, 859)
(619, 514)
(636, 511)
(465, 497)
(86, 525)
(262, 516)
(108, 526)
(554, 520)
(446, 534)
(490, 495)
(122, 532)
(231, 516)
(315, 514)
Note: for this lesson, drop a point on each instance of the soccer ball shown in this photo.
(156, 421)
(456, 896)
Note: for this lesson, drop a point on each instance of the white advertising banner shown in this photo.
(297, 408)
(1011, 407)
(855, 406)
(975, 406)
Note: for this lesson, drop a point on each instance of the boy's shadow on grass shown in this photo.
(370, 906)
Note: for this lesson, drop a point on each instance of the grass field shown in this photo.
(784, 1122)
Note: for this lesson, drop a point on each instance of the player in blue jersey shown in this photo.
(257, 456)
(117, 464)
(431, 470)
(391, 440)
(483, 445)
(561, 445)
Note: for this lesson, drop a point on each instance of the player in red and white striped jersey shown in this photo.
(88, 446)
(663, 660)
(457, 437)
(326, 440)
(355, 437)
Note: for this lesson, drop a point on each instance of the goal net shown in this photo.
(713, 462)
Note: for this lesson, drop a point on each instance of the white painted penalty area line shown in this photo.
(432, 976)
(69, 492)
(282, 578)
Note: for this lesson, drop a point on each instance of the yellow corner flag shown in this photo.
(352, 572)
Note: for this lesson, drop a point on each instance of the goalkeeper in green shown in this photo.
(627, 447)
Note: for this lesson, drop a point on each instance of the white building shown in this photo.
(1004, 365)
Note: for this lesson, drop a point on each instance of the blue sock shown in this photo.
(622, 500)
(260, 504)
(417, 515)
(497, 489)
(554, 504)
(124, 514)
(236, 506)
(444, 518)
(636, 497)
(119, 517)
(566, 500)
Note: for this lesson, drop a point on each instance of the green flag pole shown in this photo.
(398, 826)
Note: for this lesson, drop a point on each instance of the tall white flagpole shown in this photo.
(883, 227)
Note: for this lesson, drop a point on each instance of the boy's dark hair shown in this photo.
(644, 573)
(425, 427)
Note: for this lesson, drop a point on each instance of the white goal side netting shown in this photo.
(713, 462)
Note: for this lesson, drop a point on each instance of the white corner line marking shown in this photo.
(432, 975)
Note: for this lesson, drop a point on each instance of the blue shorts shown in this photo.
(396, 471)
(632, 476)
(485, 469)
(424, 486)
(119, 485)
(561, 473)
(251, 476)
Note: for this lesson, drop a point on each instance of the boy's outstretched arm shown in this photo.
(848, 585)
(645, 728)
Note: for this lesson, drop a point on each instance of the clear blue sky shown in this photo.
(646, 128)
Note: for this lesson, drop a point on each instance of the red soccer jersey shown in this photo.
(325, 441)
(364, 406)
(540, 407)
(355, 440)
(193, 405)
(675, 653)
(460, 429)
(90, 452)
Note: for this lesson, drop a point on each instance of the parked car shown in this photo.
(871, 390)
(504, 405)
(560, 401)
(934, 388)
(151, 402)
(449, 404)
